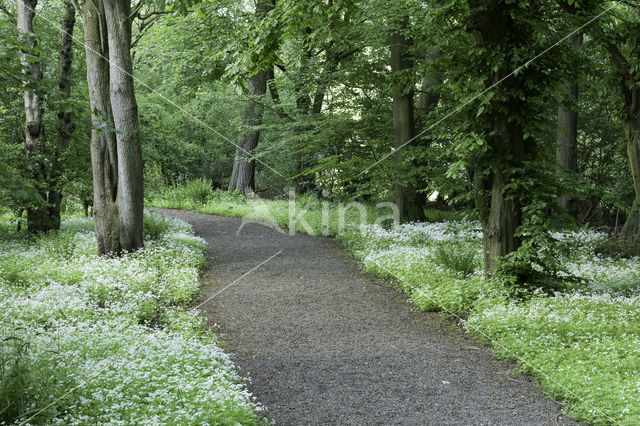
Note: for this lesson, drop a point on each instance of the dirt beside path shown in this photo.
(324, 342)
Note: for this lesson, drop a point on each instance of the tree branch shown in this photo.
(618, 59)
(275, 95)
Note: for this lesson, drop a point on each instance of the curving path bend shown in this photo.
(325, 343)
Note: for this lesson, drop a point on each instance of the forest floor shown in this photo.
(324, 342)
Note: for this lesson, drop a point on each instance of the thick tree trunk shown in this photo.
(567, 136)
(500, 215)
(243, 175)
(632, 133)
(125, 118)
(65, 122)
(630, 91)
(37, 216)
(104, 156)
(403, 127)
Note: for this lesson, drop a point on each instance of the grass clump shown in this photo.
(198, 191)
(458, 257)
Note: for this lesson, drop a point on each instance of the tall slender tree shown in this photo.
(37, 215)
(66, 125)
(567, 133)
(104, 155)
(244, 164)
(403, 117)
(125, 117)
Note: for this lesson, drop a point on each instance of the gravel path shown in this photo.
(325, 343)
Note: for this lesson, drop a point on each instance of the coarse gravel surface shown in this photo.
(325, 343)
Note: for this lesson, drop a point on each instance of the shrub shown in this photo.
(155, 225)
(198, 191)
(617, 248)
(458, 257)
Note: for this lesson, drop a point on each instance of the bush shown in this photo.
(110, 335)
(458, 257)
(198, 191)
(155, 225)
(617, 248)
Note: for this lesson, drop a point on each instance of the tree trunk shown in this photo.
(303, 107)
(429, 91)
(427, 102)
(244, 165)
(243, 175)
(66, 126)
(500, 215)
(632, 133)
(504, 216)
(125, 117)
(104, 156)
(630, 92)
(403, 126)
(631, 227)
(37, 216)
(567, 136)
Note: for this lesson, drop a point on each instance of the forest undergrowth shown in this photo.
(88, 339)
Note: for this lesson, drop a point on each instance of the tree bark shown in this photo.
(37, 216)
(632, 133)
(104, 156)
(567, 135)
(504, 214)
(244, 164)
(427, 102)
(500, 215)
(628, 80)
(125, 118)
(429, 91)
(243, 175)
(66, 126)
(631, 227)
(403, 126)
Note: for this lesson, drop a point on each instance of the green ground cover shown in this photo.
(90, 340)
